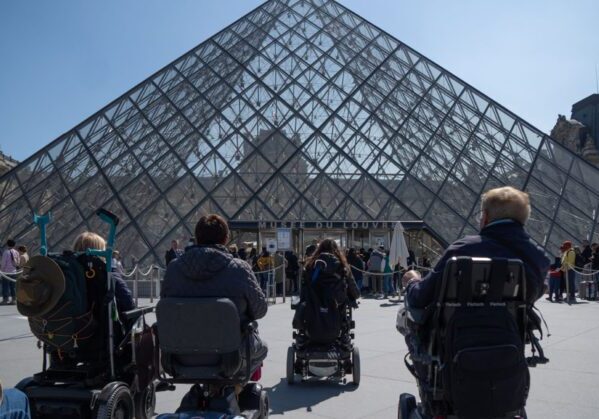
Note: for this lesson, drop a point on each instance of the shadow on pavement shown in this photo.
(285, 398)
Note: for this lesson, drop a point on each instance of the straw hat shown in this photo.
(39, 287)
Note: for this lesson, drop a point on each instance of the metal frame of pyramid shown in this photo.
(299, 110)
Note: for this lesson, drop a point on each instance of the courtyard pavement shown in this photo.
(567, 387)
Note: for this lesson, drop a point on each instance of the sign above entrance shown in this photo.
(322, 225)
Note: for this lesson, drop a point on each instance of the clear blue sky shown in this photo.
(62, 60)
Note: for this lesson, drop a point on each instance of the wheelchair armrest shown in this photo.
(137, 312)
(295, 301)
(417, 315)
(249, 327)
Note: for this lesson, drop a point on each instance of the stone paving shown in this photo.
(567, 387)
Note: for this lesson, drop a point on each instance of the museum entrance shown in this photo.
(296, 236)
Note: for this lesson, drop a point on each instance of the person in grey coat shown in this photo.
(207, 269)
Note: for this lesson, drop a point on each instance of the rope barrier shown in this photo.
(591, 273)
(5, 275)
(424, 268)
(270, 270)
(130, 274)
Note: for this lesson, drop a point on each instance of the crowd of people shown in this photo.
(372, 269)
(576, 270)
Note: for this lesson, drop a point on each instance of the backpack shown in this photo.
(485, 372)
(321, 312)
(71, 323)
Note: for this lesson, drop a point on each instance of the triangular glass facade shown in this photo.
(300, 110)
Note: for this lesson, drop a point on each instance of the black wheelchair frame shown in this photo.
(330, 361)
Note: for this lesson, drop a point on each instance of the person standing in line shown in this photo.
(233, 250)
(357, 267)
(23, 255)
(173, 253)
(292, 270)
(388, 278)
(280, 264)
(587, 252)
(595, 266)
(264, 265)
(568, 264)
(9, 266)
(375, 268)
(242, 253)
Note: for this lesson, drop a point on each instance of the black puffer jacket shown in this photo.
(211, 271)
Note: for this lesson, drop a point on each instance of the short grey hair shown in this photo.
(506, 202)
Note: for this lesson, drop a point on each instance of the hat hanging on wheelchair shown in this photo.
(91, 342)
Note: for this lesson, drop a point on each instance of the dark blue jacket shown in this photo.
(501, 238)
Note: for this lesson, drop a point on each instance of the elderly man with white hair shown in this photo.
(503, 214)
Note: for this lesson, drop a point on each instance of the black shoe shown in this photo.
(549, 299)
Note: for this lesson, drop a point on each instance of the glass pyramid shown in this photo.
(300, 110)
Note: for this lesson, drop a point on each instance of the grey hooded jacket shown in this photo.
(211, 271)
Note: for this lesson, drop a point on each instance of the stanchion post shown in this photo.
(158, 281)
(284, 282)
(151, 286)
(136, 287)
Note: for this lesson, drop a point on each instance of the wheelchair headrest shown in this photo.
(473, 279)
(198, 326)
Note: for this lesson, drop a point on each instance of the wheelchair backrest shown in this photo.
(475, 280)
(198, 326)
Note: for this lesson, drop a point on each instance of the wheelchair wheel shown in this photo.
(407, 404)
(355, 357)
(118, 406)
(264, 405)
(145, 402)
(290, 365)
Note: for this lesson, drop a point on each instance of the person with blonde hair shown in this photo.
(90, 240)
(503, 213)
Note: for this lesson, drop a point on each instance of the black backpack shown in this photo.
(485, 371)
(321, 313)
(72, 322)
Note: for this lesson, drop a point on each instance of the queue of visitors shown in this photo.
(576, 270)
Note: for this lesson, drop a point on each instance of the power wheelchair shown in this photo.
(488, 296)
(331, 357)
(205, 349)
(110, 373)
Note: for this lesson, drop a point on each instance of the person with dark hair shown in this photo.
(292, 270)
(23, 256)
(9, 267)
(357, 266)
(587, 252)
(209, 270)
(173, 253)
(329, 275)
(242, 253)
